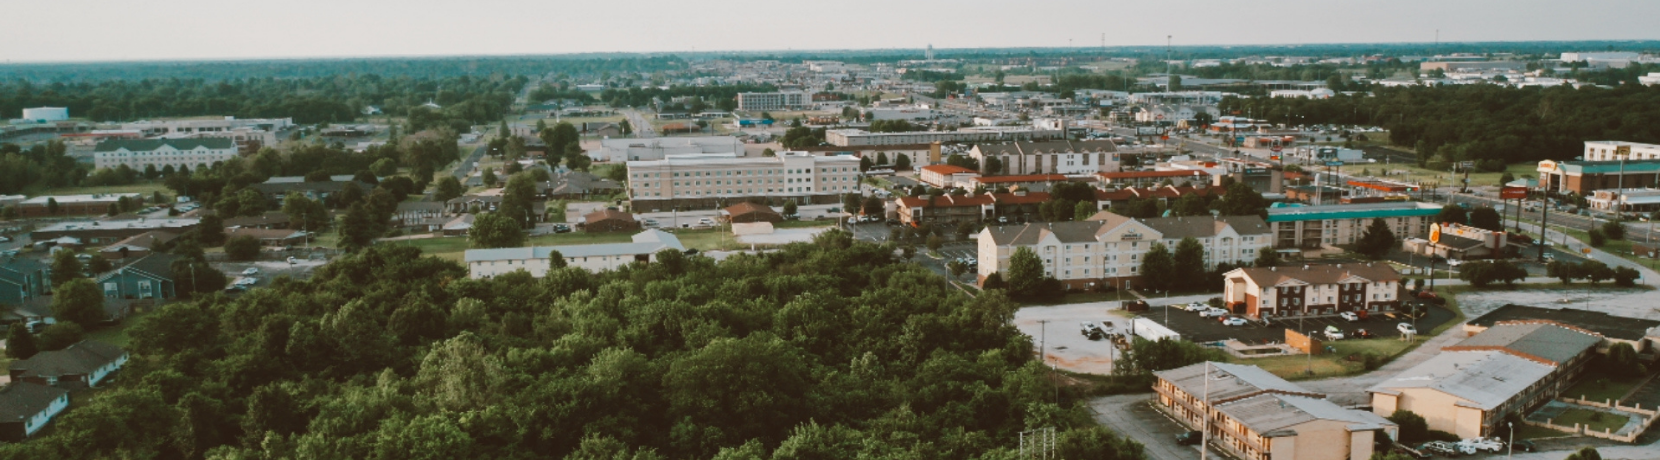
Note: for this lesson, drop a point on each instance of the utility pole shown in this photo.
(1544, 220)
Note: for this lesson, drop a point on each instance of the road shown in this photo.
(642, 128)
(466, 168)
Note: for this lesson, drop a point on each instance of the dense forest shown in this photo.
(832, 349)
(1489, 124)
(420, 68)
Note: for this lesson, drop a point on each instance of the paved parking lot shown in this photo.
(1196, 329)
(1134, 417)
(1056, 329)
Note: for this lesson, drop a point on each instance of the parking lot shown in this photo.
(1197, 329)
(1056, 329)
(269, 270)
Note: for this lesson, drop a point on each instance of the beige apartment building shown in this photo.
(1255, 415)
(1107, 249)
(707, 182)
(1051, 157)
(1263, 292)
(161, 153)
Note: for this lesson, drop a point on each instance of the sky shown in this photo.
(102, 30)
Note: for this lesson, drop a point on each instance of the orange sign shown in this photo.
(1513, 193)
(1435, 233)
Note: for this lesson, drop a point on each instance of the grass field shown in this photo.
(1335, 364)
(1592, 420)
(1597, 386)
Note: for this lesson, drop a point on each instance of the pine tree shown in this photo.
(1158, 268)
(20, 344)
(1190, 264)
(1376, 241)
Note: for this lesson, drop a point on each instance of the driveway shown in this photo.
(1133, 416)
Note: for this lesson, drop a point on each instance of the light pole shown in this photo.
(1510, 446)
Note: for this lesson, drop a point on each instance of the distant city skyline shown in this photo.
(87, 30)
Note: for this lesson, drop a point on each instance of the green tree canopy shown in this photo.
(494, 230)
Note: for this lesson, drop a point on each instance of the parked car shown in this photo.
(1091, 330)
(1234, 321)
(1407, 328)
(1481, 445)
(1209, 312)
(1349, 316)
(1524, 446)
(5, 239)
(1363, 334)
(1446, 449)
(1196, 306)
(251, 271)
(649, 223)
(1189, 438)
(1454, 262)
(1333, 333)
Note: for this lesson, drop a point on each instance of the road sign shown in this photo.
(1277, 149)
(1334, 163)
(1513, 193)
(1239, 139)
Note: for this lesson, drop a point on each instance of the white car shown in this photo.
(1454, 262)
(1349, 316)
(1196, 306)
(1212, 313)
(1406, 328)
(1234, 321)
(247, 281)
(706, 222)
(1480, 444)
(1333, 333)
(650, 223)
(250, 271)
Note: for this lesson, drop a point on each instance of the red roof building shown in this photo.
(945, 176)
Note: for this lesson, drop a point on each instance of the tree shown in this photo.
(769, 152)
(957, 268)
(1567, 272)
(901, 162)
(358, 229)
(306, 213)
(489, 177)
(448, 188)
(850, 203)
(518, 200)
(1377, 241)
(1083, 210)
(934, 243)
(1173, 83)
(1585, 453)
(1413, 428)
(350, 194)
(1242, 200)
(1189, 265)
(98, 264)
(1158, 268)
(1025, 273)
(52, 206)
(1266, 257)
(1597, 238)
(20, 344)
(1506, 178)
(789, 208)
(1485, 217)
(242, 248)
(1613, 230)
(61, 335)
(1625, 276)
(1624, 362)
(881, 158)
(384, 167)
(65, 268)
(865, 164)
(211, 230)
(873, 207)
(1595, 271)
(1452, 214)
(195, 276)
(79, 301)
(494, 230)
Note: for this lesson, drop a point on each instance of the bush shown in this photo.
(1413, 428)
(1614, 230)
(1598, 238)
(242, 248)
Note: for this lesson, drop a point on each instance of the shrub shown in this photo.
(242, 248)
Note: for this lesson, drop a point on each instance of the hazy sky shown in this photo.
(83, 30)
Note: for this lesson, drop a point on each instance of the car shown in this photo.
(1454, 262)
(1002, 220)
(250, 271)
(561, 228)
(1092, 330)
(835, 210)
(1234, 321)
(1363, 334)
(650, 223)
(1443, 448)
(1190, 438)
(1212, 313)
(1333, 333)
(1524, 446)
(292, 260)
(1349, 316)
(1407, 328)
(249, 281)
(5, 239)
(1481, 445)
(83, 257)
(1196, 306)
(706, 222)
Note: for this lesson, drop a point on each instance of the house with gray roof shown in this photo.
(485, 263)
(150, 277)
(1472, 386)
(82, 365)
(26, 407)
(1254, 414)
(1106, 249)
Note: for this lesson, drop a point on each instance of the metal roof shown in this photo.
(1228, 381)
(646, 242)
(1274, 415)
(1614, 327)
(1550, 342)
(1483, 379)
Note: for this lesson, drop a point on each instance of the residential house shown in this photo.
(420, 216)
(1472, 387)
(606, 220)
(150, 277)
(747, 212)
(269, 237)
(459, 226)
(26, 407)
(22, 279)
(82, 365)
(1264, 292)
(139, 245)
(1107, 249)
(1255, 415)
(488, 203)
(486, 263)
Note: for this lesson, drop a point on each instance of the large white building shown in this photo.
(260, 131)
(698, 181)
(1108, 248)
(46, 114)
(857, 137)
(1052, 157)
(1610, 151)
(782, 100)
(138, 153)
(658, 148)
(486, 263)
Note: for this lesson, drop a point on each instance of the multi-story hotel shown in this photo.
(1052, 157)
(1107, 248)
(1320, 227)
(1260, 292)
(161, 153)
(1255, 415)
(782, 100)
(700, 181)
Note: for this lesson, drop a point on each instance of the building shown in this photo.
(161, 153)
(79, 366)
(247, 134)
(139, 245)
(1472, 66)
(746, 213)
(606, 220)
(486, 263)
(75, 205)
(266, 220)
(781, 100)
(1025, 182)
(26, 407)
(1454, 241)
(1166, 195)
(946, 176)
(99, 233)
(1652, 79)
(657, 148)
(1640, 333)
(1126, 179)
(931, 210)
(46, 114)
(1471, 387)
(1278, 292)
(150, 277)
(919, 154)
(1051, 157)
(275, 237)
(1620, 150)
(576, 185)
(23, 279)
(703, 183)
(277, 189)
(859, 137)
(1318, 227)
(1106, 250)
(1258, 416)
(1618, 200)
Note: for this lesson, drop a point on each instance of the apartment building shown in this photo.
(658, 148)
(248, 133)
(1320, 227)
(781, 100)
(699, 182)
(859, 137)
(1264, 292)
(486, 263)
(1127, 179)
(1256, 415)
(1471, 387)
(946, 176)
(1107, 249)
(1052, 157)
(161, 153)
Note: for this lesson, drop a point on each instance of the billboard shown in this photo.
(1513, 193)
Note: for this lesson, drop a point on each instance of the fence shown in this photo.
(1647, 417)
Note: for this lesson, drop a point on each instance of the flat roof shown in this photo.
(171, 222)
(1610, 326)
(1352, 211)
(62, 199)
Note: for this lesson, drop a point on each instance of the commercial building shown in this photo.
(695, 182)
(26, 407)
(486, 263)
(946, 176)
(1620, 150)
(781, 100)
(606, 220)
(1128, 179)
(747, 213)
(1318, 227)
(102, 232)
(248, 134)
(919, 154)
(1472, 66)
(1264, 292)
(1454, 241)
(1107, 249)
(1471, 387)
(858, 137)
(1640, 333)
(1256, 415)
(75, 205)
(1638, 200)
(1052, 157)
(46, 114)
(161, 153)
(657, 148)
(1585, 177)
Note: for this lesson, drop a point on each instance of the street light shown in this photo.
(1510, 446)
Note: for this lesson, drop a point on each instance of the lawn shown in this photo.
(1592, 420)
(145, 188)
(1598, 386)
(1525, 431)
(1335, 364)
